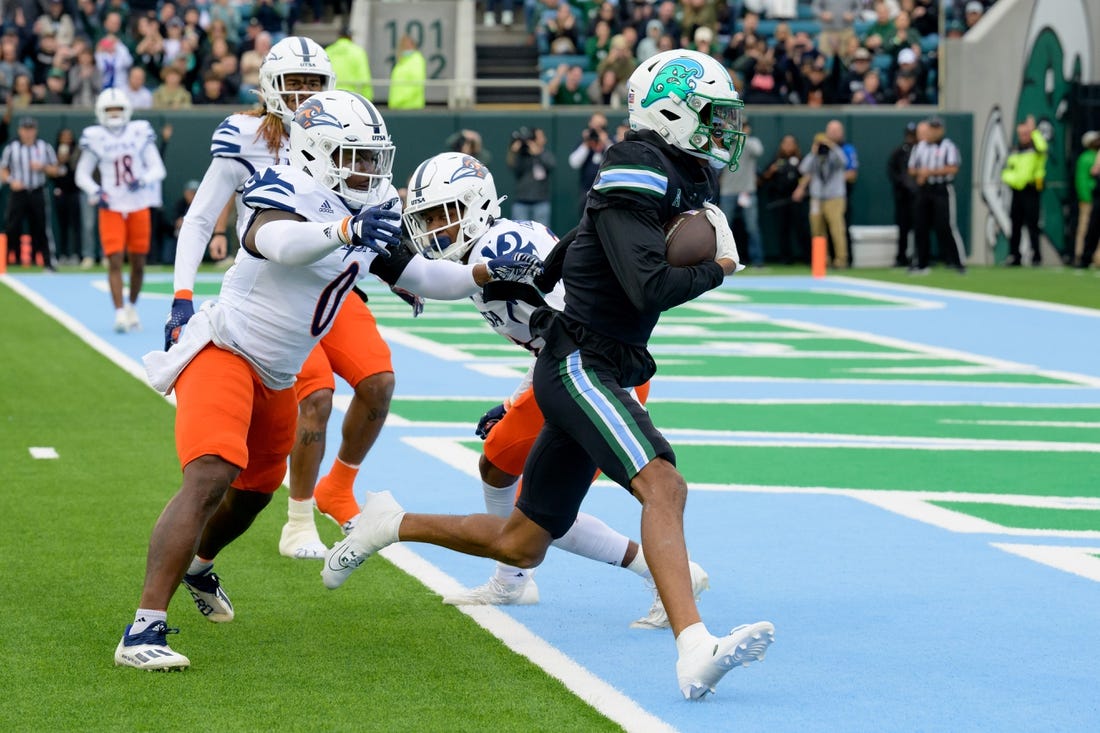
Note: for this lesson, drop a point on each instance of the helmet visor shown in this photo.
(719, 135)
(363, 168)
(430, 229)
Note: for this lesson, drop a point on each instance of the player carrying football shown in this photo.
(311, 230)
(130, 173)
(454, 213)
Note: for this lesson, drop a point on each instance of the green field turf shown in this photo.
(382, 654)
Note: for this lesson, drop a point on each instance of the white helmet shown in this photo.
(464, 187)
(688, 99)
(292, 55)
(107, 106)
(337, 134)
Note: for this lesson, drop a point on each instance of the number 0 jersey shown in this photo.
(511, 318)
(274, 314)
(124, 158)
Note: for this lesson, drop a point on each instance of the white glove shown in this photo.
(727, 247)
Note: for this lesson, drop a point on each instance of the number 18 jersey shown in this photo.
(123, 157)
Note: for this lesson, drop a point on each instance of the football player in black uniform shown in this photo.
(685, 119)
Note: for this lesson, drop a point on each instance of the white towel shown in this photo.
(164, 367)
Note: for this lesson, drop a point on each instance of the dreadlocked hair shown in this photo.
(272, 129)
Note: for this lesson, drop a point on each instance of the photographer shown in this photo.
(532, 165)
(588, 156)
(823, 175)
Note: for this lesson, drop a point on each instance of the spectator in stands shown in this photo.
(173, 44)
(1024, 172)
(703, 41)
(349, 63)
(836, 18)
(924, 15)
(531, 164)
(223, 62)
(816, 87)
(171, 94)
(851, 80)
(254, 57)
(588, 156)
(85, 80)
(974, 12)
(113, 59)
(559, 34)
(904, 37)
(650, 44)
(149, 52)
(252, 31)
(666, 13)
(407, 80)
(10, 66)
(872, 92)
(607, 13)
(881, 30)
(45, 56)
(598, 43)
(823, 177)
(272, 17)
(22, 96)
(906, 92)
(506, 9)
(764, 83)
(228, 15)
(737, 194)
(781, 180)
(66, 198)
(741, 40)
(140, 97)
(1085, 185)
(54, 92)
(212, 91)
(698, 14)
(59, 21)
(611, 75)
(640, 17)
(217, 32)
(565, 87)
(905, 192)
(87, 21)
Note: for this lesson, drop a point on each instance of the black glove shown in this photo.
(489, 420)
(415, 301)
(522, 267)
(182, 310)
(373, 228)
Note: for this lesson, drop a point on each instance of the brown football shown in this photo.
(690, 239)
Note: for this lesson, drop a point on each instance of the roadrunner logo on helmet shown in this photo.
(462, 187)
(292, 55)
(688, 99)
(113, 109)
(337, 137)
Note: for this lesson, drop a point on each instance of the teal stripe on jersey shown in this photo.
(632, 178)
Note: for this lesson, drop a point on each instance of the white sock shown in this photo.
(300, 511)
(144, 618)
(199, 566)
(638, 565)
(510, 575)
(590, 537)
(691, 637)
(120, 311)
(499, 502)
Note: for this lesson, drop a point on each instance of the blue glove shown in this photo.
(412, 299)
(489, 420)
(182, 310)
(100, 199)
(134, 185)
(522, 267)
(373, 228)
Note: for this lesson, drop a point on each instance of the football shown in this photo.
(690, 239)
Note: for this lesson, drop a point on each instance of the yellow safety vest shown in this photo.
(1027, 167)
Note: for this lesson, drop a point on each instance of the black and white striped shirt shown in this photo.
(935, 156)
(17, 159)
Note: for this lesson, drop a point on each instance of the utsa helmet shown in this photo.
(292, 55)
(464, 187)
(113, 108)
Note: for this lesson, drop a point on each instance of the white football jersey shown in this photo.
(512, 318)
(123, 157)
(274, 314)
(237, 138)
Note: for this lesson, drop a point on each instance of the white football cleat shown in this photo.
(657, 618)
(210, 599)
(700, 668)
(149, 650)
(133, 323)
(495, 593)
(376, 527)
(122, 322)
(300, 541)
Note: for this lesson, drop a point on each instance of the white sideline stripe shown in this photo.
(442, 351)
(792, 401)
(521, 640)
(43, 453)
(1024, 423)
(597, 693)
(1077, 560)
(899, 442)
(1076, 379)
(945, 292)
(745, 298)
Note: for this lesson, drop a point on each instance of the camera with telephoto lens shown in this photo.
(523, 136)
(591, 134)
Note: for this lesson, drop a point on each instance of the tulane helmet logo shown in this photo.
(676, 77)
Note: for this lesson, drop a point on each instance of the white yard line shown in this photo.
(1077, 560)
(1024, 423)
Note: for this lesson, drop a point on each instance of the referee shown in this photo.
(933, 164)
(24, 165)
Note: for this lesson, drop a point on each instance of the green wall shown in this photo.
(419, 135)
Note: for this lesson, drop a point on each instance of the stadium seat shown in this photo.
(882, 62)
(861, 27)
(809, 26)
(929, 43)
(765, 28)
(552, 61)
(805, 11)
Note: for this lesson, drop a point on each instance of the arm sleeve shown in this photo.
(83, 177)
(438, 279)
(221, 180)
(297, 243)
(1039, 142)
(577, 157)
(635, 248)
(154, 166)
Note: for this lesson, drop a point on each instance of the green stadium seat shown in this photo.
(809, 26)
(929, 43)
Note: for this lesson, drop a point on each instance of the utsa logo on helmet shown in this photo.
(470, 168)
(311, 113)
(676, 77)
